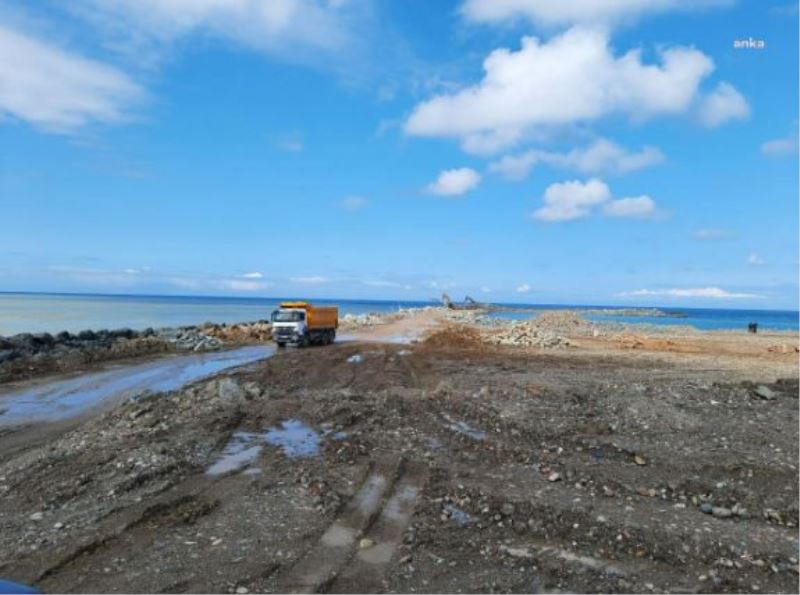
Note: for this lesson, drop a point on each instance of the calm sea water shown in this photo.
(36, 312)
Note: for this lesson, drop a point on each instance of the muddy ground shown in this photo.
(441, 466)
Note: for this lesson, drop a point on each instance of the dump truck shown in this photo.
(303, 324)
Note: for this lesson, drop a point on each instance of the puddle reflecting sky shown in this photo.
(61, 399)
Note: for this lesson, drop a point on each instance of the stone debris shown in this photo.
(356, 321)
(189, 339)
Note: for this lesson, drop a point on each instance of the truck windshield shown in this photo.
(288, 316)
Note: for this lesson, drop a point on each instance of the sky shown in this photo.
(631, 152)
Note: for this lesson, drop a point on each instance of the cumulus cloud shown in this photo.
(553, 13)
(566, 201)
(453, 182)
(524, 288)
(640, 207)
(601, 156)
(253, 275)
(700, 292)
(309, 280)
(724, 103)
(354, 203)
(59, 91)
(755, 259)
(572, 78)
(780, 146)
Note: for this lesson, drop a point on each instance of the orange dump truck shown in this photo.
(303, 324)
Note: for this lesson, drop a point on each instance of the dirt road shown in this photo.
(441, 466)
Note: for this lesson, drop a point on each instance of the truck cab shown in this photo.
(303, 324)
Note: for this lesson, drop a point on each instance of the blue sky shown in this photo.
(530, 151)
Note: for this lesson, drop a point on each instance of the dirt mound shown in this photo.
(454, 337)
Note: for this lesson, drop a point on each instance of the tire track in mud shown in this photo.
(366, 569)
(378, 515)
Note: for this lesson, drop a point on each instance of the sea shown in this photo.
(52, 313)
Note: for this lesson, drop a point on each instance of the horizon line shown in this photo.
(430, 301)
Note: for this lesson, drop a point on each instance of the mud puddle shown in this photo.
(293, 437)
(62, 399)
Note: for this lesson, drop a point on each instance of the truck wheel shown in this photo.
(304, 342)
(333, 336)
(328, 338)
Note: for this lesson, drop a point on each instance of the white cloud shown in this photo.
(755, 259)
(640, 207)
(724, 103)
(709, 235)
(524, 288)
(565, 201)
(254, 275)
(551, 13)
(452, 182)
(780, 146)
(59, 91)
(354, 203)
(601, 156)
(283, 27)
(572, 78)
(700, 292)
(485, 289)
(309, 280)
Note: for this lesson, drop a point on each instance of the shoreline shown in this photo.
(502, 451)
(29, 356)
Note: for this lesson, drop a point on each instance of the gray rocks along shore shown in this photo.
(27, 355)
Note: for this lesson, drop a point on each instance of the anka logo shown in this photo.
(749, 43)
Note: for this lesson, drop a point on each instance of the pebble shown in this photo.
(242, 590)
(58, 526)
(554, 476)
(721, 512)
(37, 516)
(365, 543)
(640, 460)
(706, 508)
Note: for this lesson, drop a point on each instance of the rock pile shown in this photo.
(354, 321)
(242, 332)
(189, 338)
(526, 334)
(549, 330)
(27, 354)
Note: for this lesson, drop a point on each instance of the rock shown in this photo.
(706, 508)
(765, 393)
(507, 509)
(721, 512)
(7, 355)
(640, 460)
(242, 590)
(58, 526)
(355, 359)
(229, 389)
(36, 516)
(365, 543)
(554, 476)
